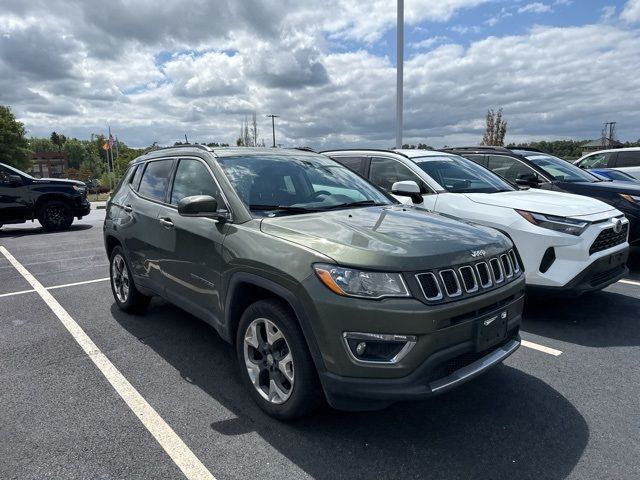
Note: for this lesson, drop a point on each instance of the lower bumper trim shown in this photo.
(476, 368)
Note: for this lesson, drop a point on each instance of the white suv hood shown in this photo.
(543, 201)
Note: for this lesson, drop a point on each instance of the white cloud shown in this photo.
(631, 12)
(535, 7)
(429, 42)
(74, 74)
(608, 13)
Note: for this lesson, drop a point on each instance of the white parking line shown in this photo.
(179, 452)
(629, 282)
(22, 292)
(541, 348)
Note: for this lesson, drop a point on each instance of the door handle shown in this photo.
(128, 208)
(166, 222)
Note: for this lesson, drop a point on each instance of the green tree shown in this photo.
(76, 152)
(496, 129)
(14, 147)
(37, 144)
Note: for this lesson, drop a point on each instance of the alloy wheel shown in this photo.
(269, 361)
(120, 278)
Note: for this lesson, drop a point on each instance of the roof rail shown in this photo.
(478, 148)
(304, 149)
(187, 145)
(528, 149)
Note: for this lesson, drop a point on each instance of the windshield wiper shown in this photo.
(368, 203)
(286, 208)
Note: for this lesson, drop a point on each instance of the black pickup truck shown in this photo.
(54, 202)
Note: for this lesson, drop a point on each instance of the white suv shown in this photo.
(626, 160)
(568, 243)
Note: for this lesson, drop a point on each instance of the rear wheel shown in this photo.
(125, 293)
(275, 362)
(55, 215)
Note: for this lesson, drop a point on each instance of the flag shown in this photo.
(111, 140)
(106, 146)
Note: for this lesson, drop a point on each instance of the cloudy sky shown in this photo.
(155, 70)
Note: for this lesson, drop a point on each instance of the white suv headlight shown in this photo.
(557, 224)
(360, 283)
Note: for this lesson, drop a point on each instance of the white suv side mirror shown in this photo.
(407, 188)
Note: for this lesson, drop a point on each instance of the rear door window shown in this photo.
(628, 159)
(135, 178)
(155, 180)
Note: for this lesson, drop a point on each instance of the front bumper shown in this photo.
(601, 273)
(82, 208)
(348, 393)
(446, 337)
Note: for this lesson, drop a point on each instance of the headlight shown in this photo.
(358, 283)
(631, 198)
(557, 224)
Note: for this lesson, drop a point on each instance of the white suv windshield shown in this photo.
(459, 175)
(270, 184)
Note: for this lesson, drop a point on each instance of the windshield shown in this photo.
(15, 171)
(560, 169)
(286, 184)
(459, 175)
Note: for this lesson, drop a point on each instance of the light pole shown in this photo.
(399, 72)
(273, 127)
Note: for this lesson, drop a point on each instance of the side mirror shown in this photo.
(407, 188)
(15, 180)
(528, 180)
(201, 206)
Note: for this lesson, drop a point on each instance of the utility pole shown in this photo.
(399, 72)
(273, 127)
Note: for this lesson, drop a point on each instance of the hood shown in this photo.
(391, 238)
(612, 187)
(543, 201)
(58, 181)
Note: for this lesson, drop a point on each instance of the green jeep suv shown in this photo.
(327, 287)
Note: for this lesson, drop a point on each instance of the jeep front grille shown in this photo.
(460, 281)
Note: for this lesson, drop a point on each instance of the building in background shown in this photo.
(49, 164)
(603, 143)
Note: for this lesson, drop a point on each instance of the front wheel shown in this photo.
(125, 293)
(275, 362)
(55, 215)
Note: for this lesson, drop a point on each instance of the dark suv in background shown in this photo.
(535, 169)
(54, 202)
(325, 284)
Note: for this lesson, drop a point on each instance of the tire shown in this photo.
(265, 359)
(125, 293)
(55, 215)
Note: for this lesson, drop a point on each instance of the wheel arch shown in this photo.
(48, 197)
(245, 289)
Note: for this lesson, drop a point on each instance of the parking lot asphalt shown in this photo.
(572, 414)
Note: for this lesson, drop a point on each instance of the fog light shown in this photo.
(377, 347)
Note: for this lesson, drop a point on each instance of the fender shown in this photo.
(284, 293)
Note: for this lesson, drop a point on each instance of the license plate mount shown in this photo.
(491, 330)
